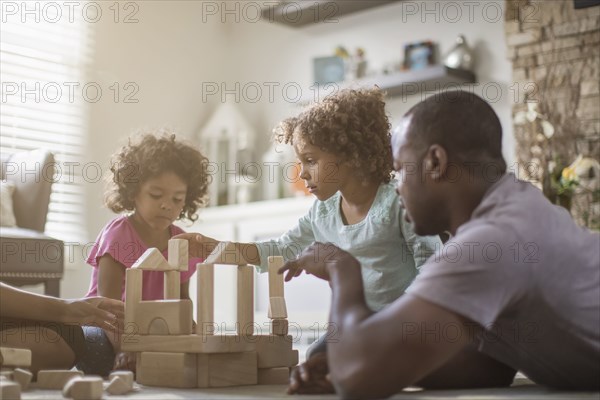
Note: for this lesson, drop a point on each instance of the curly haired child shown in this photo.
(156, 179)
(343, 145)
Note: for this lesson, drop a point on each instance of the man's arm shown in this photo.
(378, 354)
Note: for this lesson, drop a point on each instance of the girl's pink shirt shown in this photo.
(121, 241)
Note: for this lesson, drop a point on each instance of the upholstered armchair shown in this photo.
(27, 255)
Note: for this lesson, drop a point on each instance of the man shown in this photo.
(517, 287)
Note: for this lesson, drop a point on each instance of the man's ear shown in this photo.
(436, 161)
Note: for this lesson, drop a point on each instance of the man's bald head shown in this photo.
(462, 123)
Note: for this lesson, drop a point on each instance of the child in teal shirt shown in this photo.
(343, 144)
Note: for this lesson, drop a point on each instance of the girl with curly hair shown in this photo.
(156, 179)
(344, 147)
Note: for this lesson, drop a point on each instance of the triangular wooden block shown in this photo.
(118, 386)
(153, 260)
(277, 308)
(225, 253)
(178, 254)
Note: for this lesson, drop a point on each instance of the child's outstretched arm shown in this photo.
(220, 252)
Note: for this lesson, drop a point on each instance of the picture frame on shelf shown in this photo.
(328, 70)
(419, 55)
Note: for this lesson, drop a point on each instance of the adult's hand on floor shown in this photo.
(311, 377)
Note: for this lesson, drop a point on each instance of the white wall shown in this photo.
(177, 46)
(284, 54)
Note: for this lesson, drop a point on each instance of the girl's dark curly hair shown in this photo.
(148, 155)
(351, 124)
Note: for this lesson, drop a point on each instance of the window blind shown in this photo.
(43, 58)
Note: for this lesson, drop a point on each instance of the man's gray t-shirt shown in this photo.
(522, 269)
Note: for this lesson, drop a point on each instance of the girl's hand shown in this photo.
(103, 312)
(311, 377)
(125, 361)
(200, 246)
(315, 260)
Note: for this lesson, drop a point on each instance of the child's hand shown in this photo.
(315, 259)
(200, 246)
(311, 377)
(125, 361)
(103, 312)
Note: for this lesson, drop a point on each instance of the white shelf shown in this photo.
(401, 83)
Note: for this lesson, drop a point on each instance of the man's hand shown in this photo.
(315, 260)
(200, 246)
(311, 377)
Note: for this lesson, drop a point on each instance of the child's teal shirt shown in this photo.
(388, 250)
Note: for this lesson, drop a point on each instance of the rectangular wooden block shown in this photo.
(172, 285)
(133, 296)
(13, 357)
(279, 327)
(177, 370)
(55, 379)
(275, 351)
(233, 369)
(277, 308)
(275, 279)
(22, 377)
(179, 254)
(245, 300)
(164, 317)
(10, 390)
(187, 343)
(274, 376)
(206, 298)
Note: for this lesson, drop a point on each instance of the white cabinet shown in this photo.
(308, 298)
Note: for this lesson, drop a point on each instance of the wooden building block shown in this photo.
(22, 377)
(275, 351)
(277, 308)
(275, 279)
(164, 317)
(187, 343)
(206, 298)
(86, 388)
(13, 357)
(133, 296)
(118, 386)
(179, 254)
(233, 369)
(245, 300)
(152, 260)
(225, 253)
(274, 376)
(126, 376)
(177, 370)
(55, 379)
(279, 326)
(10, 390)
(202, 364)
(172, 285)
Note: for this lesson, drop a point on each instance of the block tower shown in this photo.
(170, 354)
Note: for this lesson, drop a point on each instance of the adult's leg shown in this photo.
(49, 349)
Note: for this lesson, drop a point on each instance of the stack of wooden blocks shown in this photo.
(169, 354)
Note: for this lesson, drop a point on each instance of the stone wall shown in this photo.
(555, 50)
